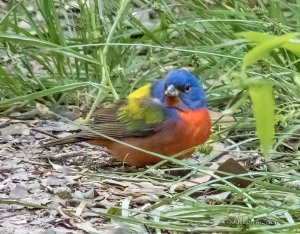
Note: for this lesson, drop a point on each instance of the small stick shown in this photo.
(35, 162)
(46, 133)
(64, 155)
(6, 121)
(148, 229)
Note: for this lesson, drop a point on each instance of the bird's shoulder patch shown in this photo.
(144, 91)
(141, 113)
(142, 107)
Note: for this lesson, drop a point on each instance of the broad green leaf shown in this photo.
(255, 37)
(263, 108)
(262, 50)
(294, 47)
(259, 38)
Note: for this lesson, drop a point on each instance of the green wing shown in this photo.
(138, 115)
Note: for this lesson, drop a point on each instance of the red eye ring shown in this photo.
(187, 88)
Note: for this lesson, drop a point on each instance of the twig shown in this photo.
(148, 229)
(6, 121)
(64, 155)
(35, 162)
(45, 133)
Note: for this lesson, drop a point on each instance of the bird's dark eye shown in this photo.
(187, 88)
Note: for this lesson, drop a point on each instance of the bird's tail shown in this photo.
(65, 140)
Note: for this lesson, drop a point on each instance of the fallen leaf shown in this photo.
(122, 227)
(125, 207)
(28, 115)
(198, 180)
(224, 158)
(229, 166)
(65, 112)
(80, 208)
(216, 199)
(4, 122)
(90, 194)
(88, 227)
(143, 188)
(19, 222)
(21, 175)
(59, 168)
(18, 192)
(63, 192)
(15, 129)
(144, 199)
(53, 126)
(233, 167)
(117, 183)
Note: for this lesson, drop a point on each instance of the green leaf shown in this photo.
(262, 50)
(294, 47)
(140, 113)
(114, 211)
(255, 37)
(261, 94)
(259, 38)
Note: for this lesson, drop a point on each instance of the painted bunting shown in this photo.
(165, 117)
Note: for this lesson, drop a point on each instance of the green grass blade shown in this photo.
(46, 45)
(46, 92)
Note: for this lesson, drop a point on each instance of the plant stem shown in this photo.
(105, 72)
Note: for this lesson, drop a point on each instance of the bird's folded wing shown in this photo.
(139, 115)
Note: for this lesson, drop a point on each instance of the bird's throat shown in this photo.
(173, 102)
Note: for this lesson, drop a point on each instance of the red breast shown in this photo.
(192, 129)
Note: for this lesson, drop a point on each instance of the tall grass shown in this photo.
(86, 52)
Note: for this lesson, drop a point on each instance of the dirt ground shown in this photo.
(32, 176)
(66, 189)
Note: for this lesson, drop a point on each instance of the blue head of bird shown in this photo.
(182, 85)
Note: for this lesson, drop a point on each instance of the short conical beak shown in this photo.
(171, 91)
